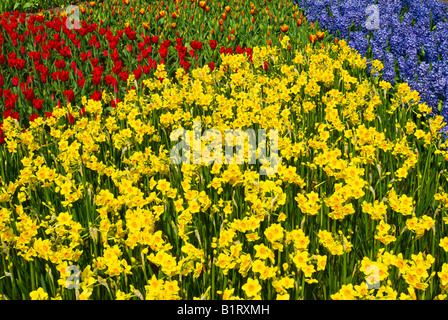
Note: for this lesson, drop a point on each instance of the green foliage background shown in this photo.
(30, 5)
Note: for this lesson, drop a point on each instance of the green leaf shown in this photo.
(28, 5)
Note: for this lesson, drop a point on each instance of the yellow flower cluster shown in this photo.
(104, 194)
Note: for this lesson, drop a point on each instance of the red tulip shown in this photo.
(146, 69)
(70, 119)
(69, 94)
(96, 96)
(37, 104)
(239, 50)
(33, 117)
(124, 75)
(60, 64)
(137, 73)
(9, 113)
(2, 138)
(64, 76)
(94, 62)
(29, 94)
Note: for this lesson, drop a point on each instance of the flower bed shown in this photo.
(347, 199)
(50, 59)
(411, 41)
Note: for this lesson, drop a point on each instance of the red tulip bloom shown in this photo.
(146, 52)
(137, 73)
(186, 65)
(163, 51)
(37, 104)
(196, 45)
(10, 99)
(211, 65)
(239, 50)
(20, 64)
(2, 137)
(55, 75)
(70, 119)
(146, 69)
(265, 65)
(33, 117)
(64, 76)
(114, 55)
(96, 96)
(117, 67)
(213, 44)
(110, 80)
(141, 45)
(8, 113)
(60, 64)
(29, 94)
(65, 52)
(15, 81)
(130, 33)
(155, 39)
(114, 103)
(96, 79)
(124, 75)
(34, 55)
(81, 82)
(94, 62)
(147, 39)
(69, 94)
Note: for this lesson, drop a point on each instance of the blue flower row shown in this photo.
(410, 37)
